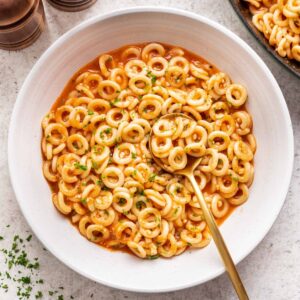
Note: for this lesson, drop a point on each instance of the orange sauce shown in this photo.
(93, 66)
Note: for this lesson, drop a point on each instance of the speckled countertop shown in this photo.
(271, 271)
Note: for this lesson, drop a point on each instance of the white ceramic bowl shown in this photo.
(245, 228)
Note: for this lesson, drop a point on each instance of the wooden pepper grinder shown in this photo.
(71, 5)
(21, 23)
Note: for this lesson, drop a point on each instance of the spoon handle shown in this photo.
(219, 241)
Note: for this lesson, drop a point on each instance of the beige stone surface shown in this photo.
(271, 271)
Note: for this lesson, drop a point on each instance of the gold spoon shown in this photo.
(188, 171)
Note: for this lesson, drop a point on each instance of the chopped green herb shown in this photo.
(133, 155)
(90, 112)
(114, 102)
(95, 165)
(175, 211)
(108, 130)
(152, 256)
(39, 295)
(101, 135)
(140, 204)
(28, 239)
(152, 76)
(79, 166)
(122, 201)
(25, 280)
(83, 200)
(152, 177)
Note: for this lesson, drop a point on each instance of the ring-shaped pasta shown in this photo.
(219, 206)
(99, 106)
(199, 135)
(169, 248)
(149, 218)
(109, 89)
(137, 249)
(106, 135)
(162, 128)
(242, 151)
(161, 145)
(176, 76)
(60, 204)
(222, 166)
(100, 153)
(103, 217)
(241, 195)
(177, 158)
(62, 115)
(135, 67)
(124, 153)
(84, 90)
(180, 62)
(112, 177)
(179, 193)
(133, 133)
(152, 50)
(131, 53)
(125, 231)
(56, 134)
(236, 95)
(228, 183)
(104, 200)
(97, 233)
(118, 75)
(218, 140)
(158, 66)
(188, 128)
(210, 161)
(76, 143)
(149, 109)
(191, 237)
(104, 61)
(122, 201)
(226, 124)
(198, 72)
(199, 98)
(218, 110)
(140, 84)
(115, 116)
(92, 80)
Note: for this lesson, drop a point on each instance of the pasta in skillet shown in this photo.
(279, 21)
(96, 152)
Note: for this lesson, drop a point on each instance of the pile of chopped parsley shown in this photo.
(22, 272)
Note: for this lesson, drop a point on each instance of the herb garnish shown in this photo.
(152, 76)
(77, 165)
(152, 177)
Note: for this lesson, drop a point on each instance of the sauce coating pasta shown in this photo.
(96, 152)
(279, 21)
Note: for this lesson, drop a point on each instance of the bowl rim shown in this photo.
(133, 10)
